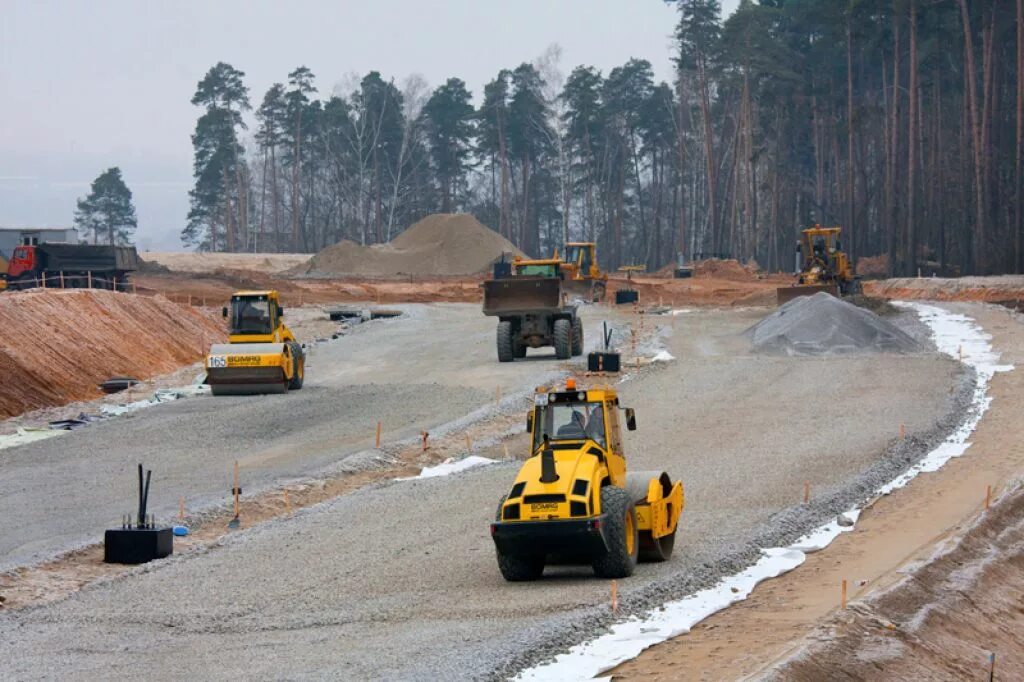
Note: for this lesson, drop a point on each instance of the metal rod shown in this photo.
(140, 517)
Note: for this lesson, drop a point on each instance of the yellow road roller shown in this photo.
(262, 355)
(573, 501)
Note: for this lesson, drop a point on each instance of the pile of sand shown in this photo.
(439, 245)
(56, 346)
(825, 325)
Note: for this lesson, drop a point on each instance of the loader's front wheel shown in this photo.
(623, 535)
(506, 347)
(577, 338)
(563, 339)
(298, 367)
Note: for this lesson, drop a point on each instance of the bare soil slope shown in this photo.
(439, 245)
(56, 346)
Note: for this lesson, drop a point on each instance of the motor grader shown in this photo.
(573, 501)
(821, 265)
(262, 355)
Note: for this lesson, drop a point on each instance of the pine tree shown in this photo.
(219, 196)
(448, 120)
(107, 213)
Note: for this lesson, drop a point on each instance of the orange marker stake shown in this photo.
(615, 596)
(378, 435)
(903, 431)
(425, 435)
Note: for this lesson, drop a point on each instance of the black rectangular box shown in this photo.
(137, 545)
(603, 361)
(626, 296)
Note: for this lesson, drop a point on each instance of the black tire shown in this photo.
(506, 348)
(623, 538)
(577, 338)
(563, 339)
(516, 568)
(298, 367)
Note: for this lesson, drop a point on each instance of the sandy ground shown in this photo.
(1005, 289)
(895, 535)
(59, 492)
(416, 556)
(189, 261)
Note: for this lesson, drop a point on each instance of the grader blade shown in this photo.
(787, 294)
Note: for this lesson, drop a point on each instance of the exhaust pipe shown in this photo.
(547, 466)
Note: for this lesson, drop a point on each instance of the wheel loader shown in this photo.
(262, 355)
(583, 277)
(532, 312)
(821, 265)
(573, 501)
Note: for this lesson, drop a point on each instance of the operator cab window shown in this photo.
(570, 421)
(251, 315)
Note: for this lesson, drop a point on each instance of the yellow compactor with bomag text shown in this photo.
(262, 355)
(573, 501)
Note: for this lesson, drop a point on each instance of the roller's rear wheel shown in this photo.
(298, 367)
(623, 536)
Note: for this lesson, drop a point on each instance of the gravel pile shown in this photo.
(825, 325)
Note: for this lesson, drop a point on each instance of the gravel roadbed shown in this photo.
(399, 581)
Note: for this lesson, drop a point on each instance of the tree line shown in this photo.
(901, 120)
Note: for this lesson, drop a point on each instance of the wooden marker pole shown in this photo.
(469, 444)
(378, 435)
(425, 435)
(181, 509)
(844, 593)
(287, 503)
(807, 492)
(903, 431)
(505, 447)
(988, 496)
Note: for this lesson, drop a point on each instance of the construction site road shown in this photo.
(399, 581)
(434, 364)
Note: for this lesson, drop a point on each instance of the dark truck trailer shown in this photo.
(71, 266)
(531, 315)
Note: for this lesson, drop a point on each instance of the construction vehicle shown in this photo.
(583, 277)
(573, 501)
(262, 355)
(532, 312)
(821, 265)
(94, 266)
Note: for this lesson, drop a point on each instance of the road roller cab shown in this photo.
(262, 355)
(573, 500)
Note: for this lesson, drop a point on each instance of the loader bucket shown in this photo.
(247, 368)
(787, 294)
(522, 295)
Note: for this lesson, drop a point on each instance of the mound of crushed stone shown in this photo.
(825, 325)
(440, 244)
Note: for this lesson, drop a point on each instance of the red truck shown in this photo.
(71, 266)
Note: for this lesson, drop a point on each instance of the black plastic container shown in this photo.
(603, 361)
(626, 296)
(137, 545)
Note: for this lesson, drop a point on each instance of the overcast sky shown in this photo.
(88, 85)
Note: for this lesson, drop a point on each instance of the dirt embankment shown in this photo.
(192, 261)
(1004, 289)
(941, 621)
(56, 346)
